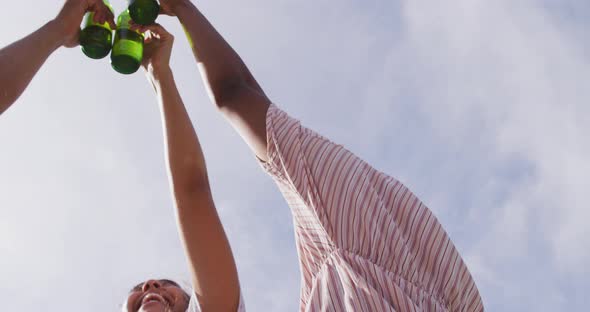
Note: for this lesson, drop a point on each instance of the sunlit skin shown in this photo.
(157, 296)
(236, 93)
(215, 279)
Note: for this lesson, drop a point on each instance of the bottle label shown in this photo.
(129, 47)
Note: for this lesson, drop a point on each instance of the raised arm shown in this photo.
(231, 85)
(20, 61)
(214, 274)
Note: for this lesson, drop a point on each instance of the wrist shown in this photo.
(55, 34)
(181, 7)
(159, 75)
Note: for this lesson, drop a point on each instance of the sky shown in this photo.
(480, 107)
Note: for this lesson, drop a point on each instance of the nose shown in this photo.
(151, 284)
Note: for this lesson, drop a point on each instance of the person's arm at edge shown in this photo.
(213, 269)
(231, 85)
(20, 61)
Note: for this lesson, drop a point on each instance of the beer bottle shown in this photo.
(144, 12)
(96, 39)
(128, 47)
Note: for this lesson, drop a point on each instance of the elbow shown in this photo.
(189, 181)
(190, 190)
(225, 91)
(194, 185)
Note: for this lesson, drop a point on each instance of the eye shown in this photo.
(166, 282)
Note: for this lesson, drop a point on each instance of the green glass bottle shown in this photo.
(96, 39)
(144, 12)
(128, 47)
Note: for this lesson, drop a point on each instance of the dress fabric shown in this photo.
(365, 241)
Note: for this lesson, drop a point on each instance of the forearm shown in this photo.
(231, 85)
(20, 61)
(184, 155)
(214, 273)
(221, 66)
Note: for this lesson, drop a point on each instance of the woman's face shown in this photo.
(157, 296)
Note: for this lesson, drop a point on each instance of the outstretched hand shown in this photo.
(157, 48)
(71, 14)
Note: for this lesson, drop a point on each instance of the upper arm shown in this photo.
(245, 105)
(212, 266)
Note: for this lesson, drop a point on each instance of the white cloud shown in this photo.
(479, 106)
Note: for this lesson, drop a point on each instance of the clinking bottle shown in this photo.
(144, 12)
(96, 39)
(127, 51)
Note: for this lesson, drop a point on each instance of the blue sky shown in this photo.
(480, 107)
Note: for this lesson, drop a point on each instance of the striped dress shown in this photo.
(365, 242)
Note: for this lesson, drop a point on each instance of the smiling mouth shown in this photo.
(152, 298)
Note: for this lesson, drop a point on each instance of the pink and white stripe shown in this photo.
(365, 242)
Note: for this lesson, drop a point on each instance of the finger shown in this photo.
(97, 17)
(101, 18)
(148, 40)
(158, 30)
(110, 18)
(105, 14)
(152, 34)
(148, 35)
